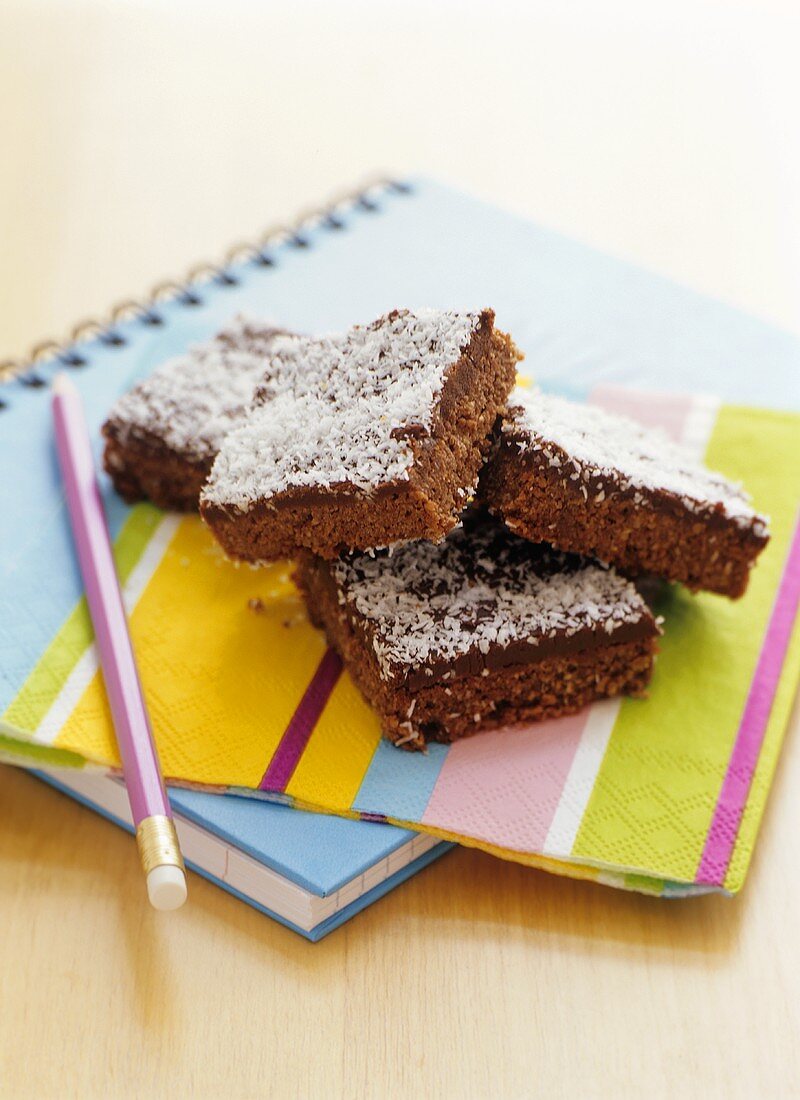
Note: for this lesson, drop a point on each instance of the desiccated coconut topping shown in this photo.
(613, 453)
(479, 589)
(193, 401)
(335, 411)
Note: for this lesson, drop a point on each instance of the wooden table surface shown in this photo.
(140, 137)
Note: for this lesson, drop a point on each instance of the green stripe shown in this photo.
(133, 539)
(657, 787)
(28, 753)
(644, 884)
(49, 675)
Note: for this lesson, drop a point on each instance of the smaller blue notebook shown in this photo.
(309, 871)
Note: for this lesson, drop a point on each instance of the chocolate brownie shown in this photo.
(482, 630)
(163, 436)
(594, 483)
(363, 439)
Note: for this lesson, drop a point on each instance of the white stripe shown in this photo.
(149, 561)
(81, 675)
(67, 699)
(581, 778)
(699, 424)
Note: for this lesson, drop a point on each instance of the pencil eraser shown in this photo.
(166, 887)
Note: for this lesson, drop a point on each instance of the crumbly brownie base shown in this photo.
(450, 709)
(427, 505)
(140, 471)
(652, 535)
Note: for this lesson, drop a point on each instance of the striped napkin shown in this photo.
(662, 795)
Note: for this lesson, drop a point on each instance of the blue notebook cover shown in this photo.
(319, 852)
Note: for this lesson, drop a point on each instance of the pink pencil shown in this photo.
(155, 830)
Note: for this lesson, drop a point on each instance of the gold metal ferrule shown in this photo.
(158, 843)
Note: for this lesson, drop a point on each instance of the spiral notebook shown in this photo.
(663, 795)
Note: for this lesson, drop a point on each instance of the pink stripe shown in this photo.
(742, 765)
(504, 786)
(668, 411)
(292, 744)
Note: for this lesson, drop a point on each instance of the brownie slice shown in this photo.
(363, 439)
(482, 630)
(163, 436)
(594, 483)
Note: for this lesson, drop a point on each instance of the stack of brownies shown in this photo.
(468, 550)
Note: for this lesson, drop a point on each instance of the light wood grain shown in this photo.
(140, 137)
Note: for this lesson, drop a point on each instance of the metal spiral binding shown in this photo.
(187, 290)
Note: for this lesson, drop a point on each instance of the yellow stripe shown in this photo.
(221, 680)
